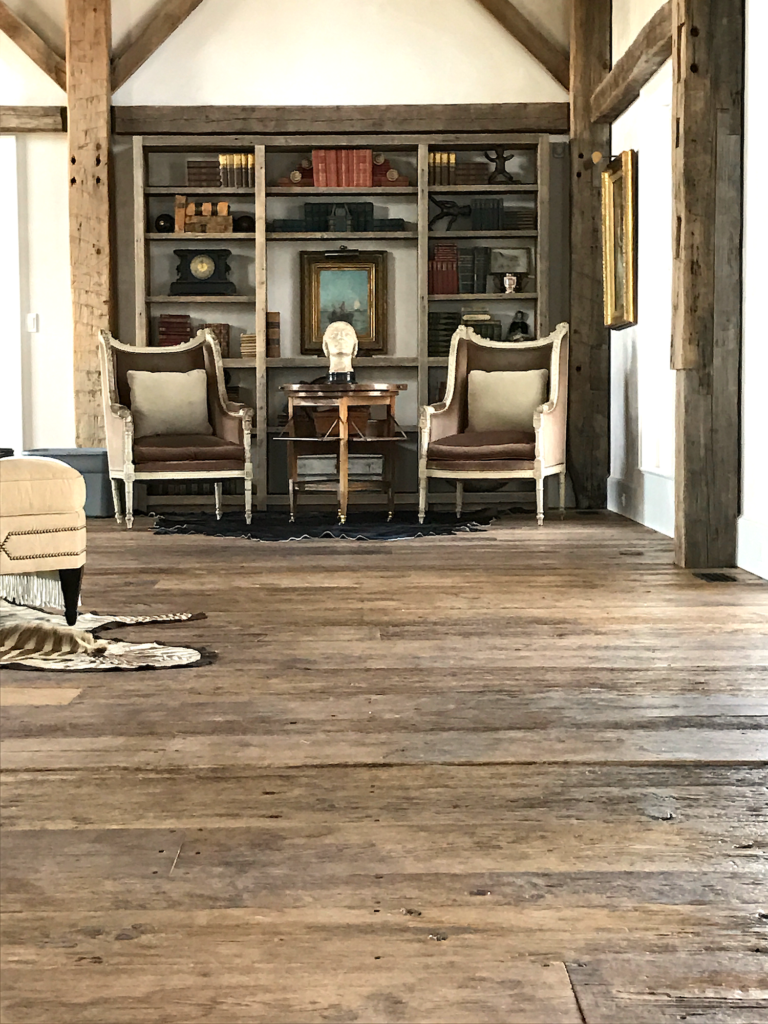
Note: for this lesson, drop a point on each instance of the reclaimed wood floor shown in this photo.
(515, 777)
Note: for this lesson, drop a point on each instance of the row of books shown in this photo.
(226, 170)
(338, 217)
(444, 169)
(176, 329)
(342, 168)
(453, 270)
(490, 215)
(442, 324)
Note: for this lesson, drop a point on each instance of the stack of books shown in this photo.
(342, 168)
(273, 335)
(519, 220)
(237, 170)
(221, 333)
(204, 173)
(440, 329)
(247, 346)
(174, 329)
(444, 169)
(483, 324)
(487, 214)
(444, 269)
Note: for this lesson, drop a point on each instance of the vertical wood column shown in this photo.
(707, 125)
(261, 419)
(422, 257)
(88, 99)
(589, 377)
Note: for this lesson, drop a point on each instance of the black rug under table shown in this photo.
(316, 525)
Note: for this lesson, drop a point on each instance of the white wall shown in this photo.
(43, 191)
(641, 485)
(753, 524)
(11, 435)
(341, 51)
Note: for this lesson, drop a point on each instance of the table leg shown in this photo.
(343, 459)
(293, 464)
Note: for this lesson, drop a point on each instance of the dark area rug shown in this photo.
(316, 525)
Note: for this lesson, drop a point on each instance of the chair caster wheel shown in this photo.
(389, 517)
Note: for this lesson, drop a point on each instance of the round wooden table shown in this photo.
(377, 439)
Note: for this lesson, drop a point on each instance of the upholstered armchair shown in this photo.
(180, 427)
(503, 417)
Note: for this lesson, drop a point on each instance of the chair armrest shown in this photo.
(118, 425)
(549, 422)
(436, 421)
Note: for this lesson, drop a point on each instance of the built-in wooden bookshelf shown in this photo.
(266, 264)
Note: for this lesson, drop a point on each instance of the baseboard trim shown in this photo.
(752, 546)
(649, 499)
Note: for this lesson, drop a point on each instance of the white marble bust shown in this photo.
(340, 345)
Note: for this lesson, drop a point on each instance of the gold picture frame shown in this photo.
(619, 195)
(350, 286)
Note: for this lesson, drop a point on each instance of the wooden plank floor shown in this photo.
(517, 776)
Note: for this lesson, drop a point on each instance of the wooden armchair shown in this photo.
(451, 448)
(222, 453)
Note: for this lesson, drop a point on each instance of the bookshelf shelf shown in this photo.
(270, 274)
(191, 190)
(296, 236)
(318, 190)
(485, 296)
(161, 300)
(184, 236)
(494, 189)
(483, 234)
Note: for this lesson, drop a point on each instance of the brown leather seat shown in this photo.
(483, 446)
(186, 448)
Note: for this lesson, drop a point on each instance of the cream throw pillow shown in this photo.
(505, 399)
(169, 403)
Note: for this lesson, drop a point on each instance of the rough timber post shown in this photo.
(588, 422)
(88, 100)
(707, 125)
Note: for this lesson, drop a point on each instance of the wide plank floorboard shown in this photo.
(514, 776)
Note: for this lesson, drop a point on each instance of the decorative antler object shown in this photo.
(500, 175)
(449, 209)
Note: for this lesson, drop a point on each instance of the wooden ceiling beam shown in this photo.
(635, 68)
(20, 120)
(342, 120)
(35, 48)
(551, 57)
(130, 57)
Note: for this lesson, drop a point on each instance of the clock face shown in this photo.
(202, 267)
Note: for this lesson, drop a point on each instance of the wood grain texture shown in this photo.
(401, 792)
(551, 56)
(635, 68)
(35, 48)
(708, 56)
(19, 120)
(715, 988)
(88, 97)
(169, 15)
(287, 120)
(589, 373)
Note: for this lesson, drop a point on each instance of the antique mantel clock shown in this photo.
(202, 272)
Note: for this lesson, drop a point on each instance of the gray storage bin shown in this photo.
(92, 463)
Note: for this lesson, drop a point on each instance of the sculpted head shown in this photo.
(340, 343)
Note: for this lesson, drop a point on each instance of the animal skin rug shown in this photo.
(34, 639)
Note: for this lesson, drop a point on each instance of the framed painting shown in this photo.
(350, 286)
(620, 241)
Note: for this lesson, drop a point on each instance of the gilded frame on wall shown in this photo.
(350, 286)
(619, 194)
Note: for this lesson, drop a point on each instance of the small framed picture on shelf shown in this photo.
(350, 286)
(619, 182)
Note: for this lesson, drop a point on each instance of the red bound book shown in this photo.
(320, 166)
(347, 171)
(332, 156)
(364, 168)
